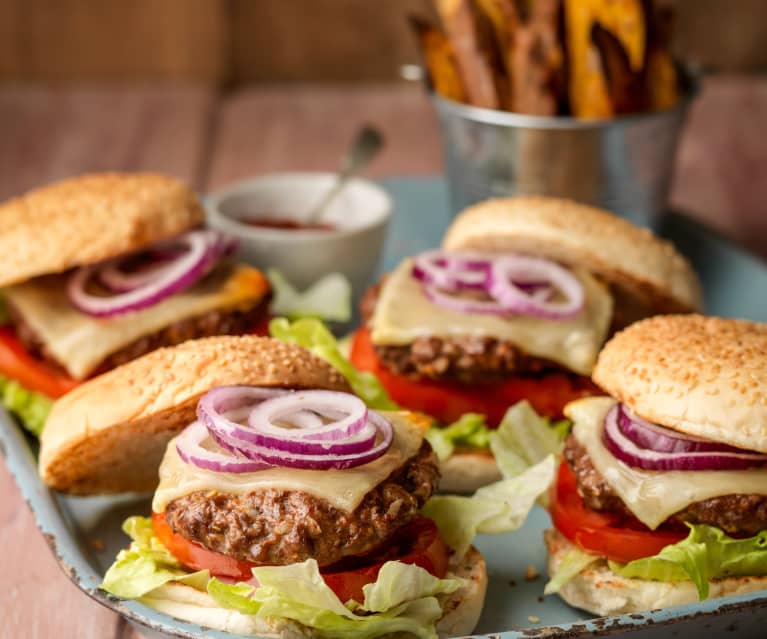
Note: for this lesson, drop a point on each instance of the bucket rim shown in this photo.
(690, 79)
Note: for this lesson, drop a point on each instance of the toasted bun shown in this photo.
(703, 376)
(466, 471)
(600, 591)
(91, 218)
(109, 434)
(642, 266)
(461, 610)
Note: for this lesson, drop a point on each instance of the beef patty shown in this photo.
(740, 515)
(283, 527)
(216, 322)
(466, 358)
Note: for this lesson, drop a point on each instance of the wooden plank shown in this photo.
(38, 599)
(92, 39)
(720, 171)
(46, 134)
(308, 128)
(50, 133)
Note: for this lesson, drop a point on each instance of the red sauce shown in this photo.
(285, 224)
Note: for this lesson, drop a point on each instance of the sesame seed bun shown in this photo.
(640, 266)
(109, 434)
(460, 610)
(87, 219)
(598, 590)
(704, 376)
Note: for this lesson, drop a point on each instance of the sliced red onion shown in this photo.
(463, 304)
(519, 268)
(263, 418)
(304, 429)
(331, 455)
(152, 283)
(451, 271)
(628, 452)
(664, 440)
(190, 450)
(118, 281)
(514, 284)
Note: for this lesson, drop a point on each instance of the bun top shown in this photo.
(646, 268)
(109, 434)
(704, 376)
(87, 219)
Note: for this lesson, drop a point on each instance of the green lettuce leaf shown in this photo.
(497, 508)
(707, 553)
(469, 431)
(30, 407)
(399, 583)
(572, 563)
(313, 335)
(403, 599)
(329, 298)
(146, 564)
(524, 438)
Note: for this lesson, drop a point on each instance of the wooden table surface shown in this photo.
(210, 139)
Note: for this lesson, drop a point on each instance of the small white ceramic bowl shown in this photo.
(360, 215)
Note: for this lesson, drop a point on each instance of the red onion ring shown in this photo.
(514, 284)
(153, 283)
(190, 450)
(519, 268)
(664, 440)
(628, 452)
(264, 415)
(327, 430)
(451, 271)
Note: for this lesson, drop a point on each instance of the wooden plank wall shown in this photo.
(232, 42)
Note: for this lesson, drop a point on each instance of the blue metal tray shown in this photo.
(736, 285)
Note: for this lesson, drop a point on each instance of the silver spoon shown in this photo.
(366, 145)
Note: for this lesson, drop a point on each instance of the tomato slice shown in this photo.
(195, 556)
(609, 535)
(32, 373)
(416, 543)
(446, 401)
(262, 327)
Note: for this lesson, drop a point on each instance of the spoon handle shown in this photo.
(367, 143)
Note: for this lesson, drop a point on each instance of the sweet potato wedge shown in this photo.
(476, 52)
(439, 60)
(625, 87)
(660, 75)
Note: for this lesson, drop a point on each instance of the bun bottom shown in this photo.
(598, 590)
(466, 471)
(461, 609)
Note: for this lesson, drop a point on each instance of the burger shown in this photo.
(100, 269)
(515, 306)
(284, 506)
(662, 497)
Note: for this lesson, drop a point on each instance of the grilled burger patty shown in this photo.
(467, 358)
(206, 325)
(282, 527)
(739, 515)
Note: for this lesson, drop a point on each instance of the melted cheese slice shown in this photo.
(80, 342)
(403, 313)
(344, 489)
(653, 496)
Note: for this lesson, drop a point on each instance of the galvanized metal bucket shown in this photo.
(624, 164)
